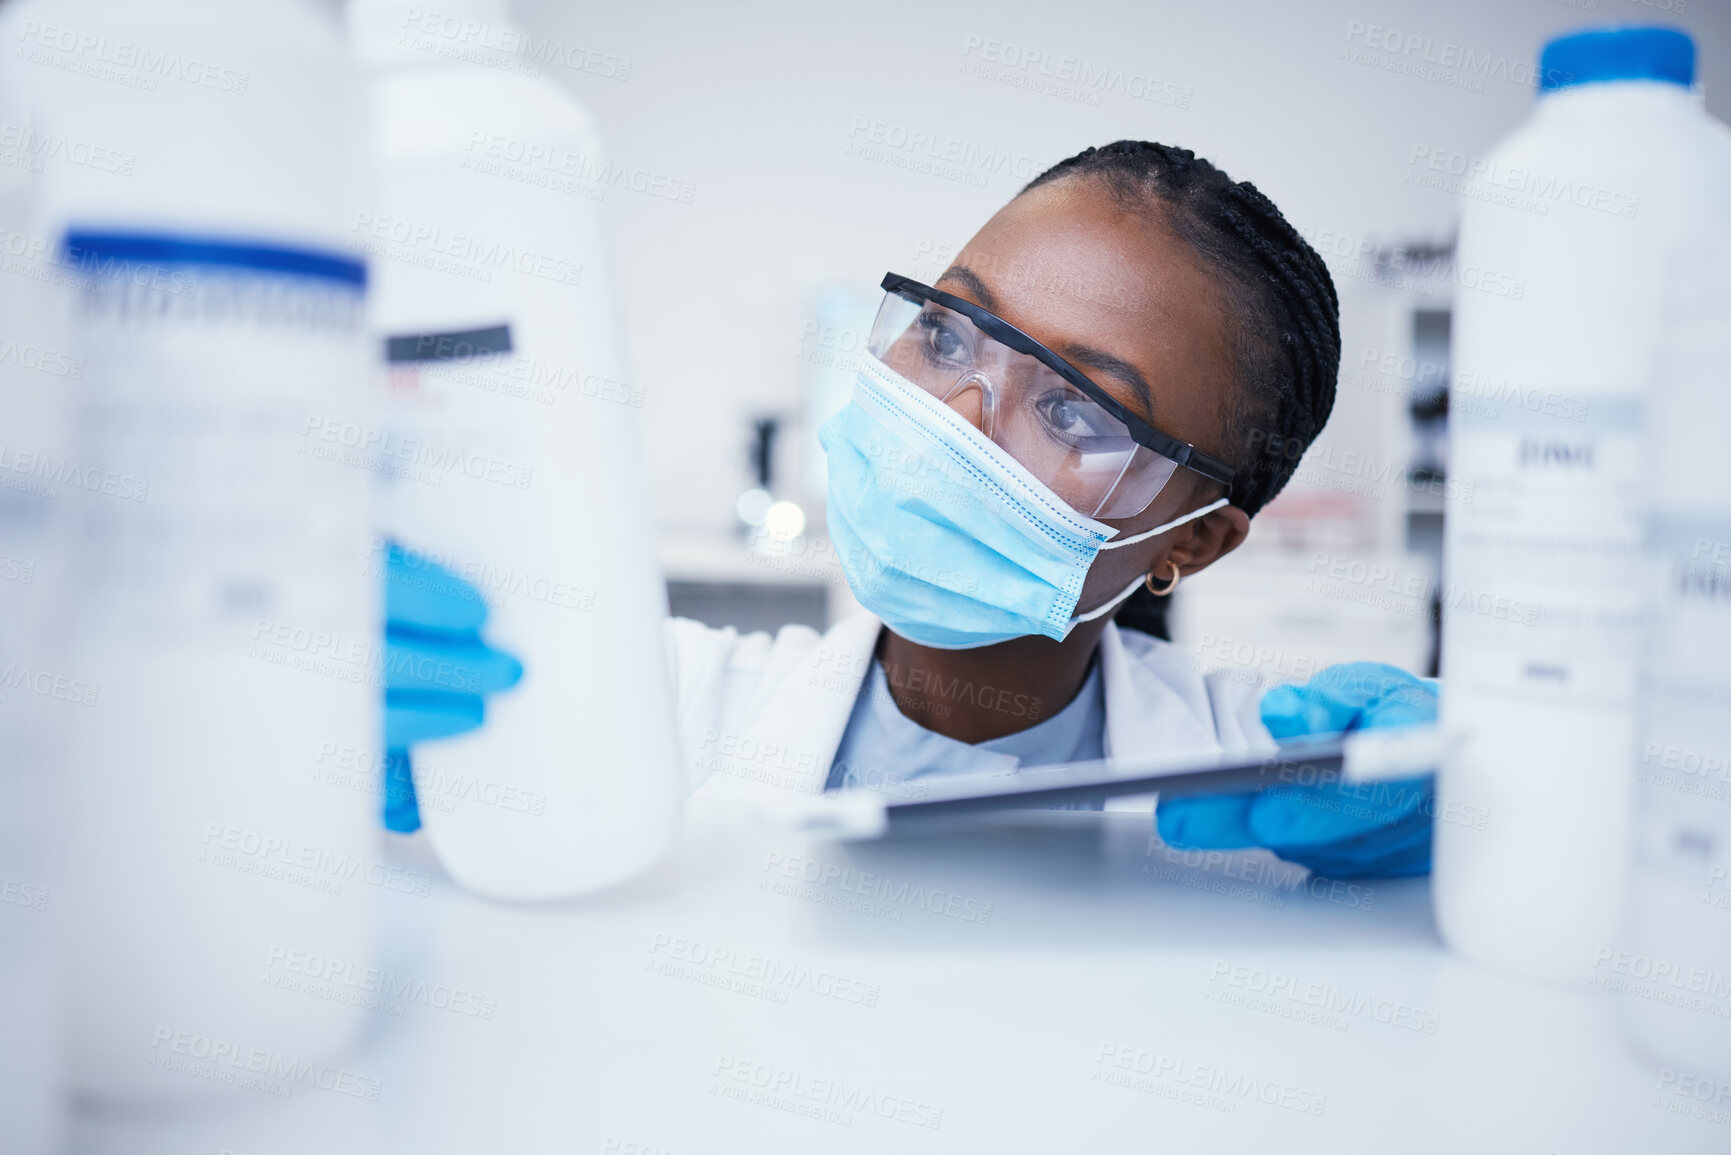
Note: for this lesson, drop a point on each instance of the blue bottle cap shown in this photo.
(1623, 52)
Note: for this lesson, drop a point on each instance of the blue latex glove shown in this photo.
(1338, 830)
(437, 669)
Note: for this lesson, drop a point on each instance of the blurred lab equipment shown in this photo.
(218, 622)
(1679, 911)
(754, 504)
(510, 450)
(767, 522)
(760, 576)
(1541, 624)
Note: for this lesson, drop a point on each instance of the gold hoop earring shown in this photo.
(1148, 581)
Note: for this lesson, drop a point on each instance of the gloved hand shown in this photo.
(437, 669)
(1337, 830)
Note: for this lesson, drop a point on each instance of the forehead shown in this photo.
(1082, 273)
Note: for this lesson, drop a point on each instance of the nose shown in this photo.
(972, 398)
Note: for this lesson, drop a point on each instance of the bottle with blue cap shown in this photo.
(1566, 236)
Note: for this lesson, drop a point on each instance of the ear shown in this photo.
(1211, 538)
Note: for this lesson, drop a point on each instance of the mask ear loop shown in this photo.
(1114, 602)
(1107, 608)
(1159, 529)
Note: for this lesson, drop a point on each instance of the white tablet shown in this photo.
(1360, 756)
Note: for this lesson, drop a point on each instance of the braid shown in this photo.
(1285, 313)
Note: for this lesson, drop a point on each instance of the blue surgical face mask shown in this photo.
(946, 537)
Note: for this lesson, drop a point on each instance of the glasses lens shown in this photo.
(1054, 430)
(930, 345)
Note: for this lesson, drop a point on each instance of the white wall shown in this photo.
(755, 104)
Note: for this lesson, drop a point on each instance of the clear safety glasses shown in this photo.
(1101, 459)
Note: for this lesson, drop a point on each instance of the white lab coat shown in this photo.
(760, 715)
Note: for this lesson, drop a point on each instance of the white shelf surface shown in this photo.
(1062, 984)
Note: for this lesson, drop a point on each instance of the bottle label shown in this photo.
(1683, 830)
(1554, 525)
(205, 500)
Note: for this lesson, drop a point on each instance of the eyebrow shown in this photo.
(1118, 367)
(971, 280)
(1093, 358)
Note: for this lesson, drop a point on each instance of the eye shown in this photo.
(1076, 420)
(943, 341)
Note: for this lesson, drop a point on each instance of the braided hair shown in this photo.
(1282, 309)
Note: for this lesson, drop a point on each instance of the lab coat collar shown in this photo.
(1146, 713)
(1155, 703)
(792, 740)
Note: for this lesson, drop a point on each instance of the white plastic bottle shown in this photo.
(1676, 965)
(220, 644)
(1564, 240)
(36, 381)
(512, 453)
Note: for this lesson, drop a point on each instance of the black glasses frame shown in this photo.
(1144, 434)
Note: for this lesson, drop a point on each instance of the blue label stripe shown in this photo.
(85, 246)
